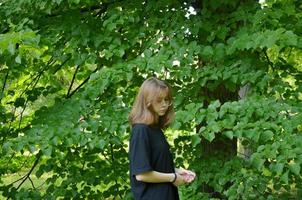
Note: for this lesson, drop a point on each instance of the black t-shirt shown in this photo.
(149, 151)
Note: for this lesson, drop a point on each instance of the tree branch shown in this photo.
(30, 171)
(50, 61)
(72, 81)
(41, 185)
(10, 123)
(4, 84)
(10, 160)
(63, 63)
(101, 7)
(34, 79)
(112, 157)
(82, 10)
(35, 84)
(86, 80)
(32, 184)
(268, 60)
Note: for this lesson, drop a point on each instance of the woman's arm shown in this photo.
(155, 177)
(159, 177)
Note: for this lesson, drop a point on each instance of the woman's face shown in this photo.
(161, 104)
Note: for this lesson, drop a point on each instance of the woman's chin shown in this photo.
(161, 114)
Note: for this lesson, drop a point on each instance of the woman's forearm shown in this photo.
(155, 177)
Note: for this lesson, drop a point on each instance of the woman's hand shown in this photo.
(187, 175)
(180, 180)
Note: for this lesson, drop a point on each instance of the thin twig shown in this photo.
(61, 65)
(31, 182)
(268, 60)
(25, 161)
(4, 84)
(50, 61)
(106, 158)
(86, 80)
(17, 180)
(72, 81)
(10, 124)
(112, 157)
(14, 108)
(24, 106)
(10, 159)
(30, 171)
(41, 185)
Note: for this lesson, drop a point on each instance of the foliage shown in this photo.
(70, 70)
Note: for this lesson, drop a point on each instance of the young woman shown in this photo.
(152, 172)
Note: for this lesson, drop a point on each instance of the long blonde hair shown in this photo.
(142, 111)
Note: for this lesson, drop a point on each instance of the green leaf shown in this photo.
(207, 51)
(190, 106)
(55, 140)
(270, 39)
(148, 53)
(69, 142)
(266, 172)
(91, 145)
(295, 168)
(228, 134)
(211, 116)
(18, 59)
(202, 129)
(278, 168)
(176, 125)
(39, 172)
(32, 97)
(219, 51)
(266, 135)
(214, 105)
(195, 139)
(290, 38)
(209, 135)
(214, 126)
(11, 48)
(32, 148)
(257, 162)
(101, 144)
(47, 151)
(284, 177)
(111, 26)
(7, 147)
(19, 146)
(120, 52)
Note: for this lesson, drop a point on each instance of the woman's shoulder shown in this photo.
(140, 130)
(140, 126)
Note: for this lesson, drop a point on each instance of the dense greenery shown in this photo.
(70, 70)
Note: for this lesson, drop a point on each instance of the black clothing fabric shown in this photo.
(149, 151)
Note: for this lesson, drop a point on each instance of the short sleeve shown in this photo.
(139, 150)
